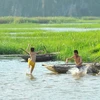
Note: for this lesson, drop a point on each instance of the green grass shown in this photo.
(49, 20)
(13, 38)
(31, 27)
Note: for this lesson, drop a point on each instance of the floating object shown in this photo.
(63, 68)
(40, 57)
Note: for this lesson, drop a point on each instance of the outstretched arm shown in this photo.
(39, 51)
(69, 59)
(25, 51)
(28, 47)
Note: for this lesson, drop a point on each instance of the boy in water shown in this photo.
(32, 59)
(77, 59)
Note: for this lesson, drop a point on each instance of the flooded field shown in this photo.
(70, 29)
(15, 85)
(53, 29)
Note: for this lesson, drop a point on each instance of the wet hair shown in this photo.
(32, 49)
(76, 51)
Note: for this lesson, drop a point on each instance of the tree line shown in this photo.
(44, 8)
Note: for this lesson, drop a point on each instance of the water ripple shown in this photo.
(15, 85)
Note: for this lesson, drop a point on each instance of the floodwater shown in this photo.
(15, 85)
(70, 29)
(55, 29)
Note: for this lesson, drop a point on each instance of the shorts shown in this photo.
(79, 67)
(31, 63)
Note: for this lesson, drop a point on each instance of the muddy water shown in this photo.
(15, 85)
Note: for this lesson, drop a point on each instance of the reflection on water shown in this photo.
(15, 85)
(61, 29)
(70, 29)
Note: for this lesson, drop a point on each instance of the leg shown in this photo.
(29, 62)
(32, 67)
(31, 70)
(29, 65)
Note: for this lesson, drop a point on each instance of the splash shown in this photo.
(78, 73)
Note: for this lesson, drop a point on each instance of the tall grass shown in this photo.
(30, 27)
(87, 43)
(46, 20)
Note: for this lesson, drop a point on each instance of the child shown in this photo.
(77, 59)
(32, 59)
(79, 71)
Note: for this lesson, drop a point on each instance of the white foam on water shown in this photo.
(78, 73)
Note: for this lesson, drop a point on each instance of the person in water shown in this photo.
(32, 59)
(77, 59)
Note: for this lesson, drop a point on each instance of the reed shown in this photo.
(30, 27)
(10, 19)
(87, 43)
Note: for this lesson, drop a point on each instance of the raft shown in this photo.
(41, 57)
(64, 68)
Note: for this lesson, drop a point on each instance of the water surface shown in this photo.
(74, 29)
(70, 29)
(15, 85)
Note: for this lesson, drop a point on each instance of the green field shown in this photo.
(16, 36)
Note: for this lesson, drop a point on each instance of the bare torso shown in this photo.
(33, 56)
(78, 60)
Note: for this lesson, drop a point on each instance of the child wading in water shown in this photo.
(77, 59)
(32, 59)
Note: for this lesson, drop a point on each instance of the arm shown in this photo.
(69, 59)
(39, 51)
(27, 49)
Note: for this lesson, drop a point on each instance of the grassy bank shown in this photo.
(12, 39)
(30, 26)
(49, 20)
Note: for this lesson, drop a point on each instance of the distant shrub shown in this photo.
(91, 18)
(60, 19)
